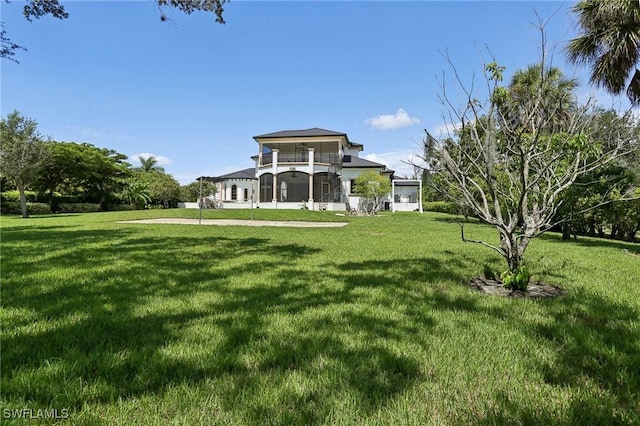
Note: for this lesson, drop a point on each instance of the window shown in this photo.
(246, 194)
(234, 192)
(266, 182)
(352, 188)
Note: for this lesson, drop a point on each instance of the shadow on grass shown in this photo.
(596, 346)
(111, 314)
(592, 242)
(116, 314)
(460, 219)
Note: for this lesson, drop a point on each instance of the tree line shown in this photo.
(62, 173)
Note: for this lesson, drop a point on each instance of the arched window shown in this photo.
(234, 192)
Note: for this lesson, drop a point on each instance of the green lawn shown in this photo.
(365, 324)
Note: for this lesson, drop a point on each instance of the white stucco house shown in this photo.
(312, 168)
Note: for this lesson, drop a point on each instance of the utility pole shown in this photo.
(200, 203)
(252, 201)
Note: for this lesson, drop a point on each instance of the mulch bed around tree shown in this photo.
(535, 289)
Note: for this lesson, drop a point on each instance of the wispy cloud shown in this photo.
(399, 161)
(99, 134)
(162, 161)
(392, 121)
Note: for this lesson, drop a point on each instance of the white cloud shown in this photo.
(162, 161)
(392, 121)
(445, 130)
(398, 161)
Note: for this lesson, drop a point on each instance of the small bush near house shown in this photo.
(78, 208)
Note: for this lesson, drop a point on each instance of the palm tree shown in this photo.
(148, 164)
(609, 44)
(544, 92)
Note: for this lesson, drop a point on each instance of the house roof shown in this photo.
(357, 146)
(349, 161)
(249, 173)
(316, 131)
(406, 182)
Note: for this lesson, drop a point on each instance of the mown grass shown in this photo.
(366, 324)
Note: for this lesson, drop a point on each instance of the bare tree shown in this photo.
(516, 152)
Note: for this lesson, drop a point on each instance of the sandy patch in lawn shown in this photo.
(237, 222)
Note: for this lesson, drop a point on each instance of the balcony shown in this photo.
(301, 157)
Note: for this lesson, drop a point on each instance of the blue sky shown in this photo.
(194, 93)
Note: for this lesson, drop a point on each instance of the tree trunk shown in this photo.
(509, 243)
(51, 200)
(23, 200)
(566, 232)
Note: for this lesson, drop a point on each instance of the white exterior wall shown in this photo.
(402, 200)
(225, 190)
(353, 199)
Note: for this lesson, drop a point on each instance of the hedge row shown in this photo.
(118, 207)
(12, 207)
(14, 196)
(446, 207)
(440, 206)
(78, 208)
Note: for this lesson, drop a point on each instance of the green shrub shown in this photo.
(518, 280)
(119, 207)
(441, 207)
(13, 207)
(78, 208)
(446, 207)
(15, 196)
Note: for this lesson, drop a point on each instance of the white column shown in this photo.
(275, 175)
(393, 196)
(420, 205)
(311, 165)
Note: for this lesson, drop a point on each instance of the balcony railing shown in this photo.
(301, 157)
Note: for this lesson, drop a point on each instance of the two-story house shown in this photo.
(313, 168)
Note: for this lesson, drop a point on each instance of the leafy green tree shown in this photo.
(136, 192)
(591, 205)
(102, 173)
(21, 153)
(191, 192)
(7, 47)
(372, 186)
(62, 165)
(35, 9)
(609, 44)
(163, 188)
